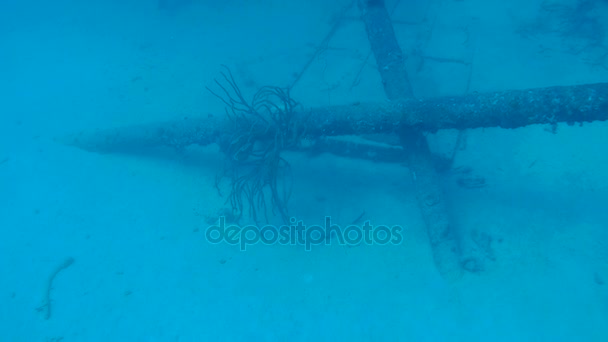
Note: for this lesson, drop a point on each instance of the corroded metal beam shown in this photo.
(506, 109)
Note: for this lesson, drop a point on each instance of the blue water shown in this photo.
(114, 246)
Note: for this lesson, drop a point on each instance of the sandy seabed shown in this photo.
(133, 225)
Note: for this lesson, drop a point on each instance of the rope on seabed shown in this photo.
(46, 306)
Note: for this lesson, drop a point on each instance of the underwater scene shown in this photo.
(304, 170)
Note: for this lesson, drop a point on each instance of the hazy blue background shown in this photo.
(134, 224)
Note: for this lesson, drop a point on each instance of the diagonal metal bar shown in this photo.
(429, 191)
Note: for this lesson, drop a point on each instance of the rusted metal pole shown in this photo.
(506, 109)
(429, 191)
